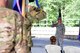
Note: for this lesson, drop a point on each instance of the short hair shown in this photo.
(53, 39)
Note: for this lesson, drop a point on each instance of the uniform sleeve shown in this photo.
(37, 13)
(63, 29)
(21, 45)
(18, 22)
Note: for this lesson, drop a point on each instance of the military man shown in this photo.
(60, 31)
(10, 28)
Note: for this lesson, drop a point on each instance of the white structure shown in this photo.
(47, 32)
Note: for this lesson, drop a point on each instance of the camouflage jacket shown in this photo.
(10, 27)
(9, 22)
(60, 31)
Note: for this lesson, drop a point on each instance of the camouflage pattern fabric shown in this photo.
(8, 20)
(34, 15)
(10, 29)
(60, 31)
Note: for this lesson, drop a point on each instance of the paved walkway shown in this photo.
(40, 43)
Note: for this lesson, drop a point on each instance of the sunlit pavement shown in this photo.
(40, 43)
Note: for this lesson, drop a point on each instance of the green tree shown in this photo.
(70, 11)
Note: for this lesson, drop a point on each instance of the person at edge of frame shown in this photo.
(10, 28)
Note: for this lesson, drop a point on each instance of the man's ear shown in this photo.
(31, 0)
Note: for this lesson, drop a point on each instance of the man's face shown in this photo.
(59, 21)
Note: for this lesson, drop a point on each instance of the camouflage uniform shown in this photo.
(34, 15)
(10, 21)
(60, 30)
(10, 29)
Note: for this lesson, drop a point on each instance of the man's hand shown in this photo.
(37, 13)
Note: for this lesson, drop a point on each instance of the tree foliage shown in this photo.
(70, 10)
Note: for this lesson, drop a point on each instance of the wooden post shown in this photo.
(23, 8)
(23, 14)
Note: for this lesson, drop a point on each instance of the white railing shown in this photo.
(50, 31)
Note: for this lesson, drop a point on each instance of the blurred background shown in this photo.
(70, 12)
